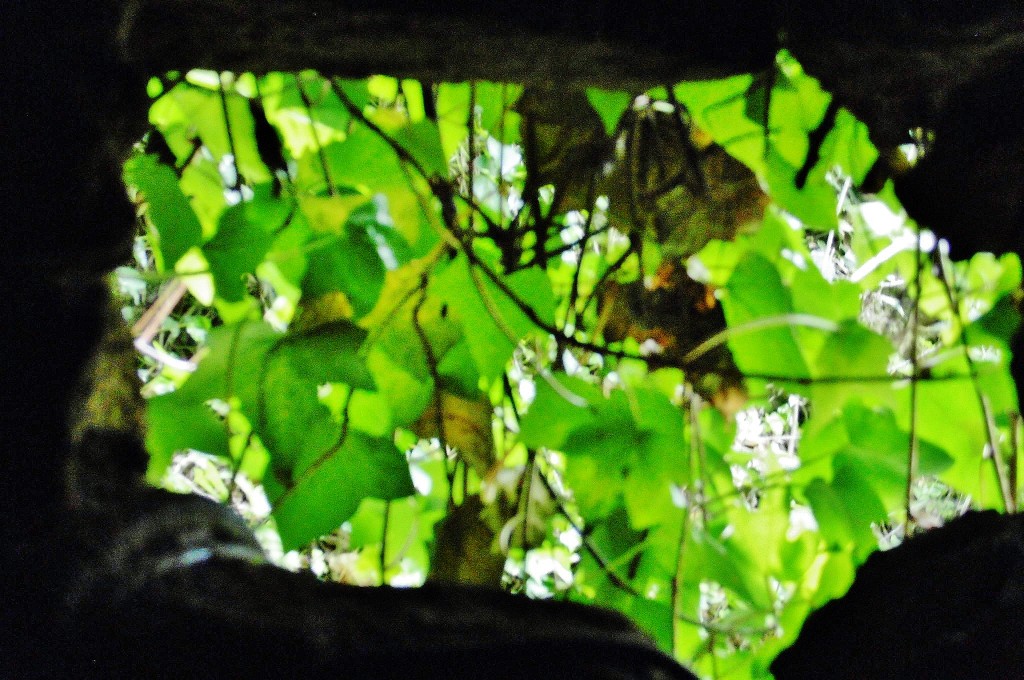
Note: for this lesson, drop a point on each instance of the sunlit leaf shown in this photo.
(175, 227)
(609, 105)
(329, 491)
(491, 320)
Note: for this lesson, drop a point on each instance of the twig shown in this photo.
(607, 273)
(145, 329)
(588, 233)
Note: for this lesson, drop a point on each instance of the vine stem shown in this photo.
(1006, 487)
(913, 452)
(677, 581)
(237, 184)
(332, 189)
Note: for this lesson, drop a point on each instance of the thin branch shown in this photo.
(697, 440)
(400, 151)
(237, 184)
(1006, 488)
(554, 252)
(609, 272)
(677, 580)
(332, 190)
(588, 233)
(913, 451)
(471, 166)
(146, 328)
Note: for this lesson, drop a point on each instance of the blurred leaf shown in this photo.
(177, 423)
(552, 418)
(364, 159)
(467, 427)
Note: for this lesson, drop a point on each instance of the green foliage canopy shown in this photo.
(415, 289)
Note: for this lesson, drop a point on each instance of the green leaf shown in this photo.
(176, 423)
(458, 370)
(851, 352)
(392, 249)
(814, 204)
(870, 442)
(175, 227)
(552, 417)
(961, 430)
(304, 130)
(407, 394)
(659, 463)
(755, 291)
(329, 491)
(491, 321)
(290, 418)
(493, 111)
(878, 448)
(845, 509)
(349, 263)
(232, 362)
(421, 140)
(610, 105)
(235, 251)
(364, 159)
(610, 440)
(729, 564)
(229, 368)
(328, 353)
